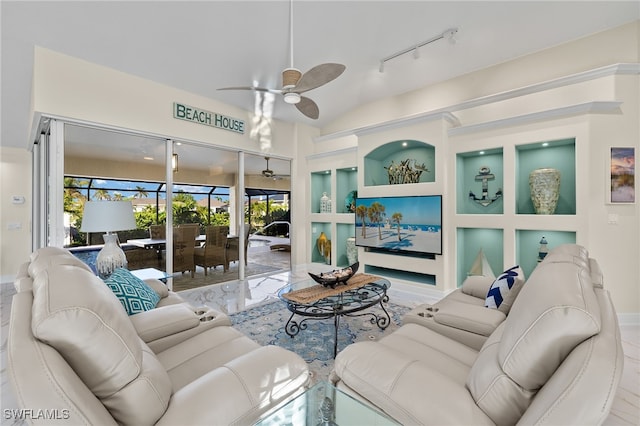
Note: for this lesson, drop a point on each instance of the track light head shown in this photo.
(450, 35)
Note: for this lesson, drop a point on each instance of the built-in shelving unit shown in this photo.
(508, 230)
(392, 154)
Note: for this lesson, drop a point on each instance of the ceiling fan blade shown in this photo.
(317, 76)
(255, 89)
(308, 108)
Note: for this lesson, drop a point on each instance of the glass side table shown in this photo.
(325, 405)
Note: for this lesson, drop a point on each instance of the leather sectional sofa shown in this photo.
(75, 353)
(555, 359)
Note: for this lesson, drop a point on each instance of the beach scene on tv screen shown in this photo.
(400, 223)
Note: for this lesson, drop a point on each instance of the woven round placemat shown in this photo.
(317, 292)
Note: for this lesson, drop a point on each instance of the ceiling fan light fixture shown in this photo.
(291, 98)
(290, 78)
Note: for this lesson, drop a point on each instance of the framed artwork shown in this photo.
(622, 166)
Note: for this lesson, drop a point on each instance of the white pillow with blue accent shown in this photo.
(133, 293)
(504, 290)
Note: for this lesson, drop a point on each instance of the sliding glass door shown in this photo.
(173, 185)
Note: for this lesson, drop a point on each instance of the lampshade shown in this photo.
(107, 216)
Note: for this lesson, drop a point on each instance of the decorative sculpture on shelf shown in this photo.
(481, 266)
(350, 202)
(408, 171)
(325, 203)
(323, 244)
(485, 176)
(543, 250)
(545, 190)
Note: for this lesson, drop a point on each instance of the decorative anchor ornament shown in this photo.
(485, 176)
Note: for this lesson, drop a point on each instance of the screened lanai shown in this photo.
(204, 190)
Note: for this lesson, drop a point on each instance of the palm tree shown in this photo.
(101, 194)
(376, 215)
(397, 218)
(140, 192)
(118, 196)
(361, 212)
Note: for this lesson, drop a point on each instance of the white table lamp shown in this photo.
(108, 216)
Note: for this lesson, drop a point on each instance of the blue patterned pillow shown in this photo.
(134, 294)
(504, 290)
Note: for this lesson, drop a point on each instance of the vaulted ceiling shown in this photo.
(202, 46)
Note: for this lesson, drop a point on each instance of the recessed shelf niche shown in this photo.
(316, 229)
(377, 162)
(528, 244)
(470, 167)
(346, 181)
(344, 231)
(416, 277)
(469, 243)
(558, 154)
(320, 183)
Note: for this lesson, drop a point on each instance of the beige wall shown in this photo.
(15, 180)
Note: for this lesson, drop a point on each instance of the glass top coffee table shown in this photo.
(325, 405)
(313, 301)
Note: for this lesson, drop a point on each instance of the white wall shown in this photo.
(15, 179)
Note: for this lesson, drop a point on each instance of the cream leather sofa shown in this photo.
(555, 360)
(462, 316)
(74, 353)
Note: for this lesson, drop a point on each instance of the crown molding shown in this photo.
(597, 107)
(609, 70)
(342, 151)
(440, 114)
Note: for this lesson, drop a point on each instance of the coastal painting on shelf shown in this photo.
(622, 175)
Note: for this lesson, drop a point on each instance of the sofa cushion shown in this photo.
(76, 314)
(555, 312)
(133, 293)
(42, 258)
(504, 289)
(477, 285)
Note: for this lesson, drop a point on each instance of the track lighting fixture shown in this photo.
(448, 35)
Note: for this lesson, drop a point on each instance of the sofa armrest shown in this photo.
(158, 286)
(164, 321)
(475, 319)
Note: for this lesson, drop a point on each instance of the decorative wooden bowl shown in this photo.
(335, 277)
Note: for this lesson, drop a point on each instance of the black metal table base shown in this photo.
(293, 327)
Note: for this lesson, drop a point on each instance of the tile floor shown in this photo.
(234, 296)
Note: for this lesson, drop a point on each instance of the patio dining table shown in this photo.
(156, 242)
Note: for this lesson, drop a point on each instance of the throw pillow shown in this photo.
(134, 294)
(504, 289)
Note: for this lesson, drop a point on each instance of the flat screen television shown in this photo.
(404, 225)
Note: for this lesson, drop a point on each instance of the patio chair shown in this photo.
(184, 249)
(233, 254)
(213, 252)
(194, 225)
(157, 232)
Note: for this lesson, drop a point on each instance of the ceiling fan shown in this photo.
(294, 82)
(268, 173)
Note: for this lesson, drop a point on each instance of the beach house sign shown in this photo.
(207, 118)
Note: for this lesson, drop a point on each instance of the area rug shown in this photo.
(265, 324)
